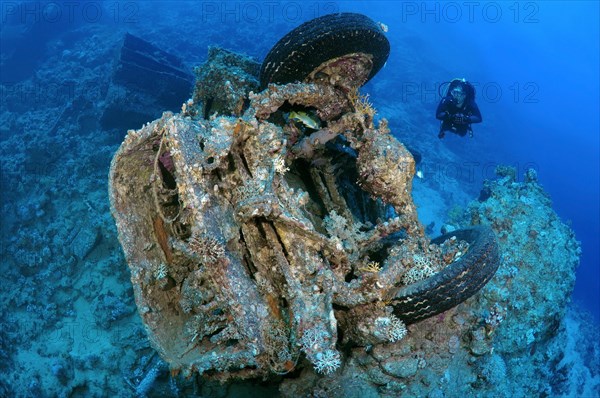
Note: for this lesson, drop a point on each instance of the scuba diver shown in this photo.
(457, 109)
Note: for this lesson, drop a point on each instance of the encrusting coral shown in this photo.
(270, 232)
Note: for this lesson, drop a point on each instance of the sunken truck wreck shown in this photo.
(271, 222)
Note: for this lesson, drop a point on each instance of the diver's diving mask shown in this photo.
(458, 94)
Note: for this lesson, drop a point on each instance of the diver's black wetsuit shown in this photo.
(447, 112)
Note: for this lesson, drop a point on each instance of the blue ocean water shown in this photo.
(535, 66)
(68, 302)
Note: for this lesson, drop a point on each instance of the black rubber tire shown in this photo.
(303, 49)
(455, 283)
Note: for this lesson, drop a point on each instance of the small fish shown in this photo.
(306, 119)
(419, 173)
(383, 26)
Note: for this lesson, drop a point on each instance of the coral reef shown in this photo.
(60, 251)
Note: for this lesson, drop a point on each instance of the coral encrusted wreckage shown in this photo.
(261, 244)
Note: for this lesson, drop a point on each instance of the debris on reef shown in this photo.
(502, 342)
(145, 82)
(255, 241)
(344, 50)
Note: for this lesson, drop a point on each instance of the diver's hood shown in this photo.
(466, 86)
